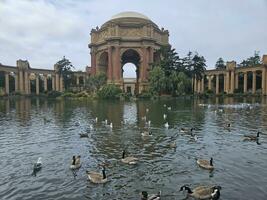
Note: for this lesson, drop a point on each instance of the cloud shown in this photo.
(42, 31)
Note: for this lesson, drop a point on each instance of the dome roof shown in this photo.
(129, 15)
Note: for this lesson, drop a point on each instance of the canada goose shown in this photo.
(252, 137)
(96, 177)
(38, 165)
(203, 192)
(166, 125)
(145, 196)
(146, 133)
(76, 162)
(164, 116)
(187, 130)
(84, 135)
(128, 160)
(205, 164)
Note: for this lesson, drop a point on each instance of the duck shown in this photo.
(147, 110)
(166, 125)
(252, 137)
(203, 192)
(96, 119)
(144, 118)
(169, 108)
(164, 105)
(173, 145)
(145, 196)
(96, 177)
(205, 164)
(106, 121)
(164, 116)
(227, 126)
(128, 160)
(146, 133)
(77, 123)
(76, 162)
(111, 125)
(84, 135)
(38, 165)
(187, 130)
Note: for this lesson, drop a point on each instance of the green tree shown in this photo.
(94, 83)
(183, 83)
(64, 68)
(198, 66)
(157, 80)
(220, 64)
(109, 91)
(252, 61)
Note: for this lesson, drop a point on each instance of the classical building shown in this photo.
(128, 37)
(252, 79)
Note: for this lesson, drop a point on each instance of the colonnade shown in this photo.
(23, 75)
(231, 76)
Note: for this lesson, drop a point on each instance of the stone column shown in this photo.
(209, 82)
(26, 82)
(37, 85)
(245, 82)
(109, 76)
(227, 82)
(198, 86)
(53, 83)
(77, 80)
(236, 80)
(254, 82)
(16, 82)
(118, 64)
(61, 89)
(224, 82)
(202, 84)
(195, 84)
(7, 82)
(151, 55)
(93, 63)
(232, 82)
(217, 83)
(57, 82)
(21, 82)
(45, 82)
(263, 81)
(144, 64)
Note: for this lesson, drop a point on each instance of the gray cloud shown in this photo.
(42, 31)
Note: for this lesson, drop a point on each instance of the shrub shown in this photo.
(68, 94)
(109, 91)
(53, 94)
(145, 95)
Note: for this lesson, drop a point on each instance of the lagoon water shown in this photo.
(32, 128)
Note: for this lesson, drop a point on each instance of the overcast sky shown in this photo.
(43, 31)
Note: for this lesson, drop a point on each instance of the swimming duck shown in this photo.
(84, 135)
(146, 133)
(128, 160)
(145, 196)
(164, 116)
(205, 164)
(38, 165)
(76, 162)
(252, 137)
(169, 108)
(111, 125)
(96, 177)
(173, 145)
(203, 192)
(147, 110)
(96, 119)
(77, 123)
(227, 126)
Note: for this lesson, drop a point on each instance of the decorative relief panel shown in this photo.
(131, 32)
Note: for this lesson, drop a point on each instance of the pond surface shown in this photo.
(32, 128)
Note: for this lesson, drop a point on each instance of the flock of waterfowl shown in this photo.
(201, 192)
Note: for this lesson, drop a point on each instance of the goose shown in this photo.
(84, 135)
(76, 162)
(205, 164)
(146, 133)
(227, 126)
(203, 192)
(145, 196)
(252, 137)
(38, 165)
(128, 160)
(164, 116)
(166, 125)
(96, 177)
(187, 130)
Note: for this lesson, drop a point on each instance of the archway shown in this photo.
(130, 71)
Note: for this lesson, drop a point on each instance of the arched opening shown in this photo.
(130, 71)
(103, 63)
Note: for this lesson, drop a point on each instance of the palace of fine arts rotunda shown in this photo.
(131, 37)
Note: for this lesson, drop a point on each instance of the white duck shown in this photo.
(166, 125)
